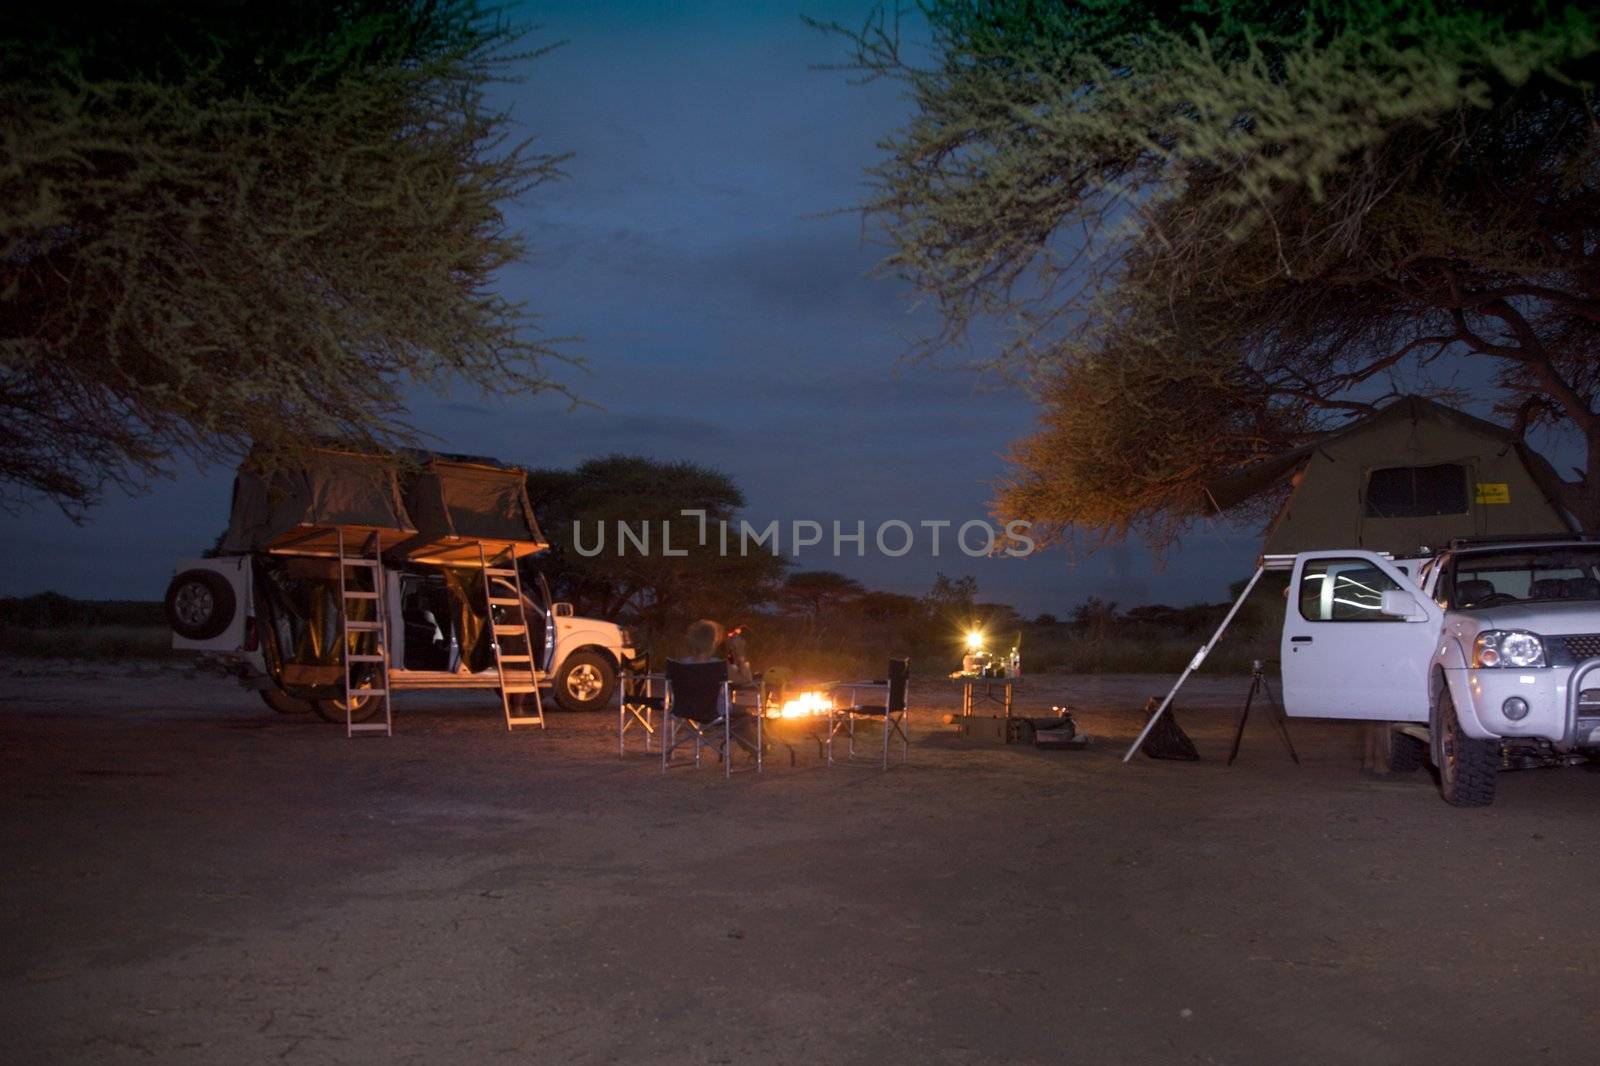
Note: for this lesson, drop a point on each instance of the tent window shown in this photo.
(1417, 491)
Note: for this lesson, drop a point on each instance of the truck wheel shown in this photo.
(1406, 753)
(284, 703)
(585, 681)
(333, 710)
(1467, 765)
(199, 604)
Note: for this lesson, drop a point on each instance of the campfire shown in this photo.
(805, 705)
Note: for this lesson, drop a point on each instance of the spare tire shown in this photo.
(200, 604)
(362, 709)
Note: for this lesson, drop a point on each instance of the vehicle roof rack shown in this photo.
(1518, 538)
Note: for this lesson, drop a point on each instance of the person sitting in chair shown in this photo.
(705, 637)
(706, 644)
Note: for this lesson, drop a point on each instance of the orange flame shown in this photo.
(802, 706)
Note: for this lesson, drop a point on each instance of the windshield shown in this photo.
(1524, 575)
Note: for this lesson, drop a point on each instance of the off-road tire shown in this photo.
(585, 681)
(199, 604)
(1468, 766)
(333, 710)
(1406, 753)
(284, 703)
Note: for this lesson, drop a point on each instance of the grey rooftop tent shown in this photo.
(1414, 474)
(459, 505)
(298, 503)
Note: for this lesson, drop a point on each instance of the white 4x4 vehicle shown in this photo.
(1478, 649)
(270, 621)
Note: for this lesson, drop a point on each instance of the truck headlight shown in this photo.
(1508, 647)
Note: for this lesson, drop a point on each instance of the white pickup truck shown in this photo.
(1467, 653)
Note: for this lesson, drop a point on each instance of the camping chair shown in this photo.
(891, 711)
(700, 701)
(640, 702)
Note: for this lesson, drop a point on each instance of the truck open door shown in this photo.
(547, 637)
(1358, 638)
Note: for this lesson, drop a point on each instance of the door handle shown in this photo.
(1299, 640)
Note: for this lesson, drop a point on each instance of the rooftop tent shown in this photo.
(1414, 474)
(298, 503)
(459, 505)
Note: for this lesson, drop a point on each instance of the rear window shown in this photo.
(1485, 579)
(1417, 491)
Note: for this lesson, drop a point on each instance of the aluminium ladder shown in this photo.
(364, 641)
(508, 597)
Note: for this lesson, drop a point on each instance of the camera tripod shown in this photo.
(1258, 683)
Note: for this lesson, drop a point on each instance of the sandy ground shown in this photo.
(189, 878)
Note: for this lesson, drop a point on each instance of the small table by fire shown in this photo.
(976, 689)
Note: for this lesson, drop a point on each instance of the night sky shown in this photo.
(726, 316)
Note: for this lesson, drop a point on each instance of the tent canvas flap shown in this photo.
(320, 489)
(1500, 487)
(470, 502)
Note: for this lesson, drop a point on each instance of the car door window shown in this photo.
(1344, 590)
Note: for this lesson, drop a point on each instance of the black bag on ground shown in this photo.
(1168, 740)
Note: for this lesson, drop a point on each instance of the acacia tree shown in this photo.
(660, 581)
(1213, 229)
(816, 594)
(226, 223)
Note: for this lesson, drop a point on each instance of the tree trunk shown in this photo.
(1586, 493)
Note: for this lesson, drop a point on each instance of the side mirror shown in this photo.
(1401, 604)
(562, 610)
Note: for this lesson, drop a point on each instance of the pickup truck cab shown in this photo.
(1467, 653)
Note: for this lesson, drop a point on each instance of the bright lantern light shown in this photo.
(975, 639)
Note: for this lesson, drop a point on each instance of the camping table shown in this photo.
(976, 689)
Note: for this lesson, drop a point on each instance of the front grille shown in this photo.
(1581, 646)
(1572, 649)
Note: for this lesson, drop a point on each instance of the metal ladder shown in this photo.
(369, 633)
(520, 659)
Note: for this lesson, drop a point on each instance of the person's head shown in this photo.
(703, 638)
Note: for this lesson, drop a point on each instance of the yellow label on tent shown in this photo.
(1494, 492)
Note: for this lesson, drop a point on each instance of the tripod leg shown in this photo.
(1238, 735)
(1280, 718)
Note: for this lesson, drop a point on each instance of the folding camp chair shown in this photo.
(700, 701)
(891, 711)
(640, 702)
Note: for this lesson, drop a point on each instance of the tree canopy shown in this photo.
(579, 511)
(227, 224)
(1212, 229)
(815, 594)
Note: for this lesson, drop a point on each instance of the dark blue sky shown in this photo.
(726, 317)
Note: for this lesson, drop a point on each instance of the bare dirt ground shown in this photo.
(190, 878)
